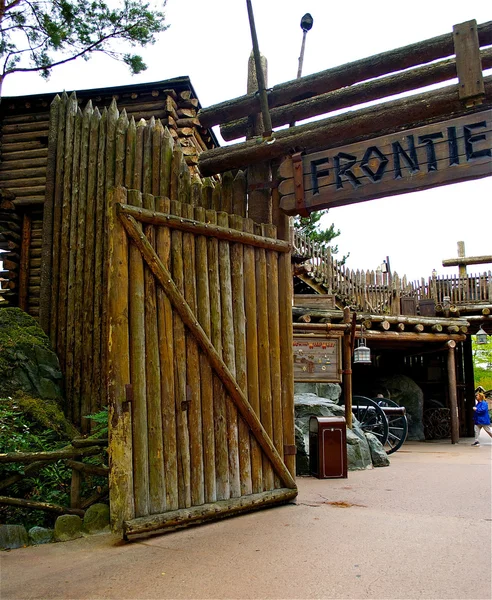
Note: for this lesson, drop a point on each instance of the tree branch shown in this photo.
(89, 49)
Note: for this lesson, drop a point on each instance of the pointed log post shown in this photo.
(120, 433)
(453, 395)
(47, 251)
(347, 368)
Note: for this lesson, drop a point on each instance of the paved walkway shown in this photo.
(418, 529)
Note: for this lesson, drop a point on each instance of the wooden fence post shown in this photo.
(120, 435)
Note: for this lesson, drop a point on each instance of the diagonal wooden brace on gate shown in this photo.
(187, 316)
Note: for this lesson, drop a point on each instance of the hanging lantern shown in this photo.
(362, 354)
(481, 336)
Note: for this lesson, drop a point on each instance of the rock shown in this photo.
(358, 453)
(27, 362)
(13, 536)
(96, 518)
(305, 388)
(302, 457)
(405, 392)
(309, 404)
(68, 527)
(378, 453)
(40, 535)
(330, 391)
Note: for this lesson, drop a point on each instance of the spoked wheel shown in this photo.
(397, 425)
(371, 417)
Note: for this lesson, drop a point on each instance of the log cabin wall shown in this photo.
(24, 158)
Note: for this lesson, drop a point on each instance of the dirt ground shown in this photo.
(420, 528)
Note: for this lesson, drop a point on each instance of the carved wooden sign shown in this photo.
(317, 359)
(416, 159)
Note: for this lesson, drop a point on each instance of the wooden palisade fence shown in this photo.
(188, 318)
(89, 153)
(376, 292)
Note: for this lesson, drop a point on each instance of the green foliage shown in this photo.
(311, 228)
(482, 363)
(100, 423)
(19, 334)
(25, 427)
(36, 36)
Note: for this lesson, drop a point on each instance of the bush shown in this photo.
(25, 427)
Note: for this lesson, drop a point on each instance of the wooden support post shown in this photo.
(119, 389)
(347, 368)
(453, 395)
(461, 254)
(75, 489)
(468, 63)
(258, 176)
(469, 384)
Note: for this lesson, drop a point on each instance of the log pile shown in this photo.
(382, 327)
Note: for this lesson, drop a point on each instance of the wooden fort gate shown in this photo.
(148, 275)
(200, 420)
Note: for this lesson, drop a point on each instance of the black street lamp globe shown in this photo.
(306, 22)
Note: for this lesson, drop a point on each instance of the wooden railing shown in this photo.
(379, 293)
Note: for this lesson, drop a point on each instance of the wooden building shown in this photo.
(24, 150)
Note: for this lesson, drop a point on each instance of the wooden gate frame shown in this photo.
(122, 227)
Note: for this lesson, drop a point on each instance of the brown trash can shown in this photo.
(328, 447)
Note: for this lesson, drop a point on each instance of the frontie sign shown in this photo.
(430, 156)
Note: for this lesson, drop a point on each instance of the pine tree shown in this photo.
(311, 228)
(37, 35)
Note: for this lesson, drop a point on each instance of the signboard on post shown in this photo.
(317, 359)
(416, 159)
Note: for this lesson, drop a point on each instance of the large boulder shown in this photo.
(96, 518)
(27, 363)
(40, 535)
(13, 536)
(68, 527)
(405, 392)
(378, 453)
(307, 405)
(358, 453)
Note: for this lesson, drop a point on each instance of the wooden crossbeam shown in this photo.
(385, 118)
(398, 59)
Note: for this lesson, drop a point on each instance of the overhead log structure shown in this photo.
(388, 117)
(357, 94)
(342, 76)
(317, 313)
(322, 329)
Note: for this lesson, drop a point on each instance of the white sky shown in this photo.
(210, 41)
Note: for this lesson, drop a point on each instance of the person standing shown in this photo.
(481, 417)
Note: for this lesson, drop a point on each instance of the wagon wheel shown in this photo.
(397, 425)
(371, 417)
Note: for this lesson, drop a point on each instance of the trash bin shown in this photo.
(328, 447)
